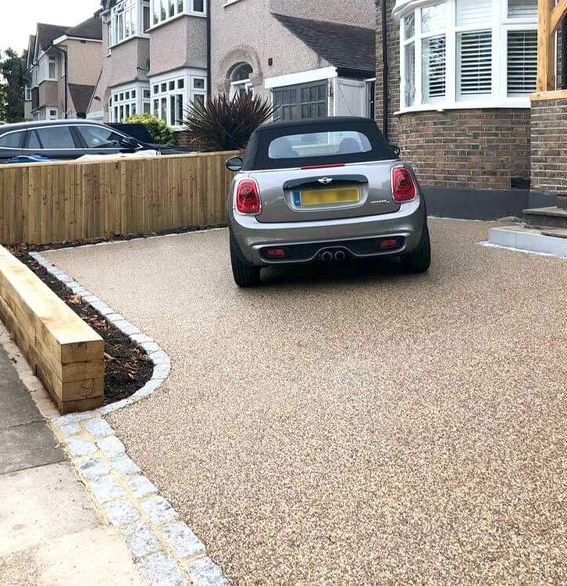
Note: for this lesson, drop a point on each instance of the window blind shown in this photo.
(475, 63)
(434, 67)
(522, 62)
(474, 13)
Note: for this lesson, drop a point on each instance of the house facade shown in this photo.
(312, 58)
(154, 59)
(63, 67)
(455, 80)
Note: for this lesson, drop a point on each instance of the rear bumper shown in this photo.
(253, 237)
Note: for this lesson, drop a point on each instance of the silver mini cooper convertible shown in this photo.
(324, 190)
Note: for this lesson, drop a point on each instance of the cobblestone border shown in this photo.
(165, 550)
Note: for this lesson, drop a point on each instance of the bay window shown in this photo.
(173, 93)
(467, 53)
(52, 68)
(128, 19)
(128, 101)
(164, 10)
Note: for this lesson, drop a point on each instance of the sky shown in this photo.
(19, 17)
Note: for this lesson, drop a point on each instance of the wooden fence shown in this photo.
(46, 203)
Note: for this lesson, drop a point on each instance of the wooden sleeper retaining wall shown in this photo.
(64, 352)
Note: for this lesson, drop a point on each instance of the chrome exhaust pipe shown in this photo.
(340, 256)
(327, 256)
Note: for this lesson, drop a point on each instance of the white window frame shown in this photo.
(189, 91)
(51, 62)
(122, 105)
(239, 85)
(180, 8)
(500, 25)
(124, 13)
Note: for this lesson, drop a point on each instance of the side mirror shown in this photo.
(129, 143)
(235, 164)
(396, 149)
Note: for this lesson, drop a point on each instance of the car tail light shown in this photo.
(403, 185)
(248, 197)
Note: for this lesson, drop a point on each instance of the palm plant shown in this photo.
(222, 123)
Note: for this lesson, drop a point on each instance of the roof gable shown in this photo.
(47, 33)
(81, 96)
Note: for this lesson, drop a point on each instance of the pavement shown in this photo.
(353, 426)
(50, 533)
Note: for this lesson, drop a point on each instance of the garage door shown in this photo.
(299, 102)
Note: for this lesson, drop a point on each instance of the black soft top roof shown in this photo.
(256, 156)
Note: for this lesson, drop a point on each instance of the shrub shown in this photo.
(224, 124)
(160, 131)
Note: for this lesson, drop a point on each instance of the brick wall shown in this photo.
(182, 138)
(467, 149)
(549, 145)
(475, 149)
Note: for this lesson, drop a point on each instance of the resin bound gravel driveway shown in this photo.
(352, 428)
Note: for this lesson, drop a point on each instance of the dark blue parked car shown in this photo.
(71, 139)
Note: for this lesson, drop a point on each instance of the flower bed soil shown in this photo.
(127, 366)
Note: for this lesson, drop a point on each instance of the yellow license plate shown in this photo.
(338, 195)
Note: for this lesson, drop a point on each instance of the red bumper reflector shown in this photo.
(387, 244)
(275, 252)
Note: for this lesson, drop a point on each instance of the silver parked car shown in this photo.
(324, 190)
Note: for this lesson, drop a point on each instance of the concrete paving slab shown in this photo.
(99, 557)
(25, 439)
(42, 504)
(27, 446)
(528, 240)
(18, 407)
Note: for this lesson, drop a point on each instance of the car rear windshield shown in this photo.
(316, 143)
(319, 144)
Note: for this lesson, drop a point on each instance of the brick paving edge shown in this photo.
(165, 549)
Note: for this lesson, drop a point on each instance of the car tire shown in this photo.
(245, 274)
(419, 259)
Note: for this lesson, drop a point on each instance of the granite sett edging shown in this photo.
(165, 549)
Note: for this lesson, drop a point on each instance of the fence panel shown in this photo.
(47, 203)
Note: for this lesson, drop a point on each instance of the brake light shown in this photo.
(403, 185)
(248, 197)
(323, 166)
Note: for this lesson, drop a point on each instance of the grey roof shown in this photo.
(47, 33)
(89, 29)
(31, 50)
(344, 46)
(81, 96)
